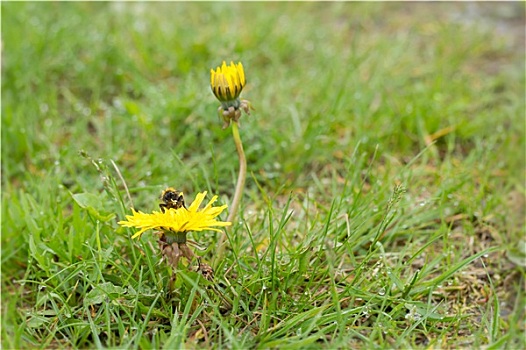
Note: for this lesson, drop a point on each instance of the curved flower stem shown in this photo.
(240, 182)
(242, 173)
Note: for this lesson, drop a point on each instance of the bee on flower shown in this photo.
(173, 224)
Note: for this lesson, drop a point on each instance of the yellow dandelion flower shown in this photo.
(227, 82)
(180, 220)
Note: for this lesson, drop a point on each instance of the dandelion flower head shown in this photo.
(178, 220)
(227, 81)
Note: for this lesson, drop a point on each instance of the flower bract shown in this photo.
(228, 81)
(178, 220)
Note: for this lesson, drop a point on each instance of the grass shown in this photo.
(384, 206)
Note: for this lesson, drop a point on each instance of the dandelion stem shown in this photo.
(240, 181)
(242, 173)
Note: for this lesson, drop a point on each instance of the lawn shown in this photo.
(384, 204)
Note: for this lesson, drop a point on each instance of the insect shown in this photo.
(171, 199)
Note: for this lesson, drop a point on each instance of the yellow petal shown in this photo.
(241, 73)
(214, 198)
(197, 201)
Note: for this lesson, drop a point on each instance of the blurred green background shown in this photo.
(340, 90)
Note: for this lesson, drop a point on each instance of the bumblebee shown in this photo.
(171, 199)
